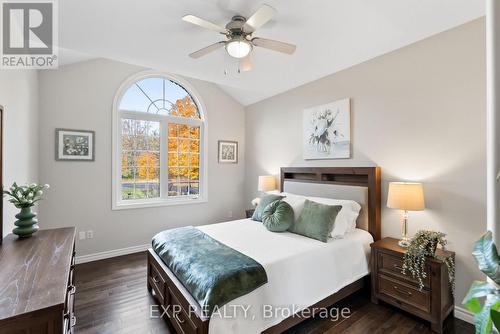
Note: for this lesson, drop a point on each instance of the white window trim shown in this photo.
(116, 201)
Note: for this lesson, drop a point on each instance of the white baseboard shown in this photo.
(464, 314)
(111, 253)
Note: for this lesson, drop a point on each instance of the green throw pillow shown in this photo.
(277, 216)
(264, 201)
(316, 220)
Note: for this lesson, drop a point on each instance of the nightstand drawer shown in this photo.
(249, 213)
(390, 264)
(404, 293)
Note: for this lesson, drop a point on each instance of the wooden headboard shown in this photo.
(346, 176)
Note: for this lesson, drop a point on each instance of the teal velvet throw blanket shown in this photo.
(212, 272)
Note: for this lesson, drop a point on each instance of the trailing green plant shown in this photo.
(25, 196)
(483, 298)
(423, 245)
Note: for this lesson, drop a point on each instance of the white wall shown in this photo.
(419, 114)
(19, 96)
(80, 96)
(493, 115)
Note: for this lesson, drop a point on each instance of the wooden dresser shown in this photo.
(36, 275)
(433, 303)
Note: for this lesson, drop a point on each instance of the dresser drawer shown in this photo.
(181, 321)
(69, 317)
(157, 282)
(405, 293)
(390, 264)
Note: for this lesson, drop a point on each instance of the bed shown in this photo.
(301, 273)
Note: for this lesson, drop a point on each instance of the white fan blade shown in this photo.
(204, 23)
(260, 17)
(274, 45)
(245, 64)
(206, 50)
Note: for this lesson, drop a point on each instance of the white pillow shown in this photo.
(296, 202)
(346, 218)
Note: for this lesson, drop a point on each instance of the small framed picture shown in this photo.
(228, 152)
(75, 145)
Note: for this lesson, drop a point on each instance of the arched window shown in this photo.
(158, 132)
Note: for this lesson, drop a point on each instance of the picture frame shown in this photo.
(75, 145)
(327, 131)
(228, 152)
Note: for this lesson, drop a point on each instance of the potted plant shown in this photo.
(487, 314)
(423, 245)
(24, 198)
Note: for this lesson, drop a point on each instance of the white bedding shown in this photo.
(300, 271)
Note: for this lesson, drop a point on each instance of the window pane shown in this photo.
(194, 174)
(172, 188)
(160, 96)
(183, 145)
(153, 88)
(194, 160)
(173, 173)
(194, 188)
(134, 100)
(127, 163)
(194, 146)
(127, 186)
(184, 187)
(140, 159)
(194, 132)
(185, 107)
(153, 190)
(173, 145)
(184, 131)
(173, 130)
(173, 159)
(183, 159)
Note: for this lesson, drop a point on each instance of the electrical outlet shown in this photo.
(81, 235)
(90, 234)
(230, 214)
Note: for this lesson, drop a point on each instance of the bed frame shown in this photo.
(185, 314)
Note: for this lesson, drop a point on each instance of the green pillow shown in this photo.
(316, 220)
(264, 201)
(277, 216)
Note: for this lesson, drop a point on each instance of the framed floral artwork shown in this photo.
(75, 145)
(327, 131)
(228, 152)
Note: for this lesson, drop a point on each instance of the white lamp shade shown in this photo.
(406, 196)
(266, 183)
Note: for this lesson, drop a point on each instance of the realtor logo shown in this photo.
(29, 34)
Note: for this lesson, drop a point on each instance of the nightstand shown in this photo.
(433, 303)
(249, 213)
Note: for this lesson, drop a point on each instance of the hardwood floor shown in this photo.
(112, 297)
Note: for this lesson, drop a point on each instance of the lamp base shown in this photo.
(404, 243)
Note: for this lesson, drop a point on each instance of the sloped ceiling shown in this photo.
(331, 35)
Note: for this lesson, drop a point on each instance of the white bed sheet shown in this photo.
(300, 271)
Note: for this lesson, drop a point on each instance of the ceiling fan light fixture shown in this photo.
(238, 48)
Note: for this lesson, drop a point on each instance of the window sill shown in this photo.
(125, 205)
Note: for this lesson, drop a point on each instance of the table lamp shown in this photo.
(406, 196)
(266, 183)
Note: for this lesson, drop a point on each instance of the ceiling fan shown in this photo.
(238, 31)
